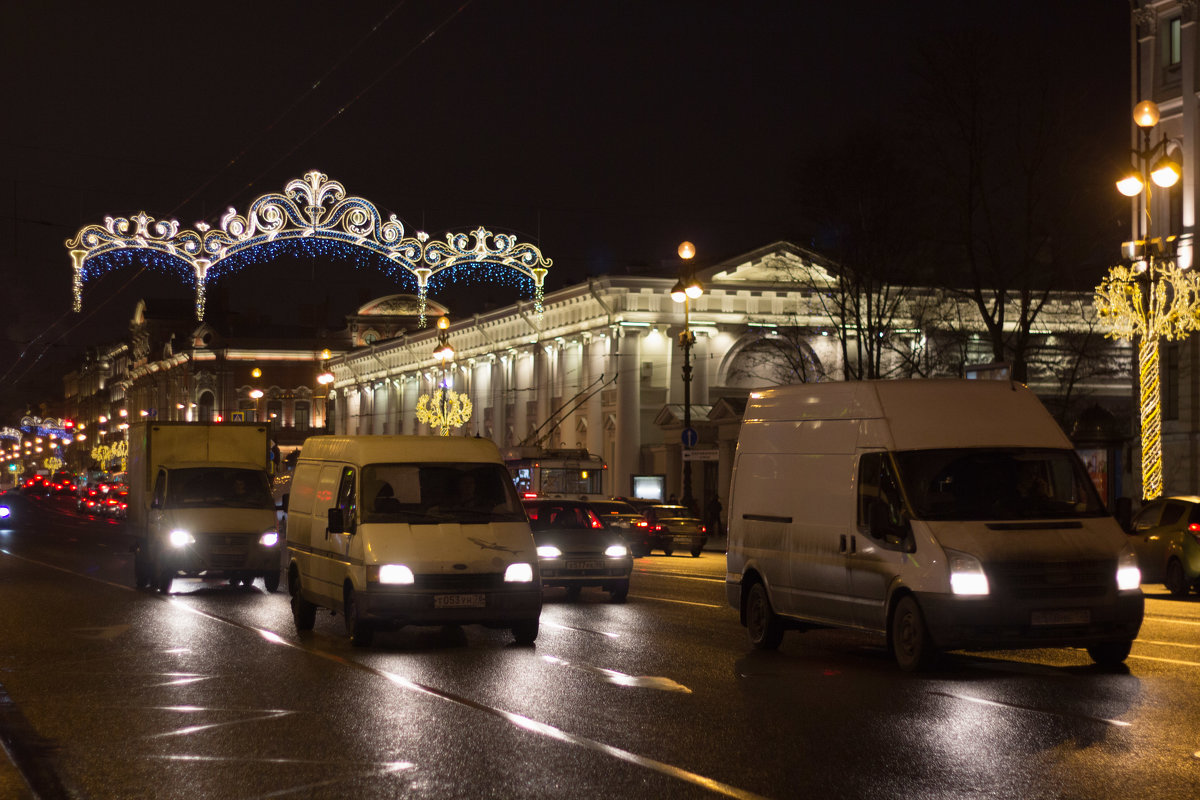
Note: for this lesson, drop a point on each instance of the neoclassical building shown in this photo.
(601, 368)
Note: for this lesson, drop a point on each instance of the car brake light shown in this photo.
(529, 496)
(643, 524)
(703, 529)
(1194, 530)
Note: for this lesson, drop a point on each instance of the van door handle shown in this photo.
(842, 543)
(853, 545)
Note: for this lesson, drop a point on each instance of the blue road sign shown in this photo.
(690, 437)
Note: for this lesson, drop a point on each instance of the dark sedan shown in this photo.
(576, 550)
(625, 519)
(672, 528)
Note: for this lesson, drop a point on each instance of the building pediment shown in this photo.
(781, 262)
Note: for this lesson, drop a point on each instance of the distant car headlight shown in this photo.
(1129, 577)
(269, 539)
(519, 573)
(548, 551)
(616, 551)
(181, 538)
(966, 574)
(5, 512)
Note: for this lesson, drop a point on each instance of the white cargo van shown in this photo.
(936, 514)
(409, 530)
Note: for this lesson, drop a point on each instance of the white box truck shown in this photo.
(933, 514)
(200, 503)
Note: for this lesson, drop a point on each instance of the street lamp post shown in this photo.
(446, 408)
(1149, 297)
(687, 288)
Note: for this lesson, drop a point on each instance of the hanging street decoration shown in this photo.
(446, 409)
(1151, 299)
(313, 216)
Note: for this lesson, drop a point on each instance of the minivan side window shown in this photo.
(346, 498)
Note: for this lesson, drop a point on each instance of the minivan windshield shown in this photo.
(997, 484)
(439, 492)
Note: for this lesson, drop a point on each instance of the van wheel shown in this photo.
(165, 578)
(525, 631)
(304, 613)
(668, 550)
(696, 552)
(271, 581)
(1110, 654)
(763, 625)
(619, 592)
(911, 645)
(143, 570)
(1174, 581)
(360, 630)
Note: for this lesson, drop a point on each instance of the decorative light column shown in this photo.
(687, 288)
(1149, 297)
(446, 408)
(324, 378)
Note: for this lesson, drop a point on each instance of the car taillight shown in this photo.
(658, 528)
(643, 524)
(1194, 530)
(703, 529)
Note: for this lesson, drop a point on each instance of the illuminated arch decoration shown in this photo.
(314, 214)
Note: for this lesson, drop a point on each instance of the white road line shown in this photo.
(670, 600)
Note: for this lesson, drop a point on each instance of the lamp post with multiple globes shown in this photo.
(686, 289)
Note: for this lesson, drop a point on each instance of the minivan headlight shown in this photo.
(1129, 577)
(181, 538)
(269, 539)
(966, 574)
(519, 572)
(616, 551)
(391, 573)
(548, 551)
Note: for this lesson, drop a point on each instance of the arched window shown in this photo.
(204, 407)
(303, 421)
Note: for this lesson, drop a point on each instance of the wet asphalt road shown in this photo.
(109, 692)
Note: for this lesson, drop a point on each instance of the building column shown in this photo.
(572, 369)
(594, 367)
(627, 454)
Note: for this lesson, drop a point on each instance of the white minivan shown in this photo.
(409, 530)
(935, 514)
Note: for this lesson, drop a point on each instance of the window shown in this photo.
(302, 415)
(1147, 518)
(879, 493)
(1174, 46)
(346, 499)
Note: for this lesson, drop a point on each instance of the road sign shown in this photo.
(701, 455)
(690, 437)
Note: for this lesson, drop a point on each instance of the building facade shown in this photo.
(601, 368)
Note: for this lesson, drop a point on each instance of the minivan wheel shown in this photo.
(619, 591)
(911, 645)
(668, 550)
(304, 613)
(763, 625)
(1174, 581)
(165, 578)
(271, 581)
(696, 552)
(360, 630)
(1110, 654)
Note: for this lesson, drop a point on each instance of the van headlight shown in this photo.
(269, 539)
(519, 573)
(181, 538)
(1129, 577)
(390, 573)
(966, 574)
(616, 551)
(548, 551)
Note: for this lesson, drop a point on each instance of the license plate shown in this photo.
(459, 600)
(585, 565)
(1068, 616)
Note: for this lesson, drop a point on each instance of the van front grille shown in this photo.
(1051, 580)
(461, 582)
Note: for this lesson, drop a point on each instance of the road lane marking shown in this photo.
(672, 600)
(1175, 620)
(1168, 644)
(1166, 660)
(523, 722)
(548, 623)
(679, 575)
(981, 701)
(620, 678)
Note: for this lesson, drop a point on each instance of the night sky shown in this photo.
(603, 132)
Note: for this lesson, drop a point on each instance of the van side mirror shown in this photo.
(337, 522)
(1124, 513)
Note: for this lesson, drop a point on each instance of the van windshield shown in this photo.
(439, 492)
(997, 484)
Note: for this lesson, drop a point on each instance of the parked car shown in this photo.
(619, 516)
(576, 550)
(1166, 537)
(671, 528)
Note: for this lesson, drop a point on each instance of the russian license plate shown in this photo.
(1065, 616)
(585, 565)
(459, 600)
